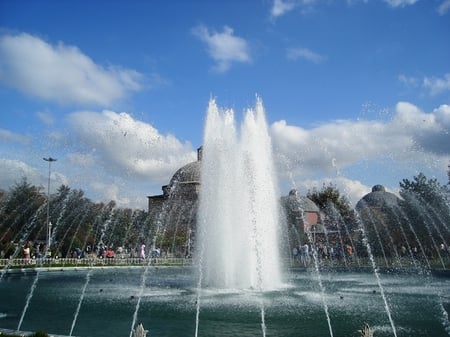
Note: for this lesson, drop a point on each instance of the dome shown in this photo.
(189, 173)
(378, 188)
(307, 204)
(378, 198)
(294, 202)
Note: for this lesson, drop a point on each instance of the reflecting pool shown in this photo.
(102, 302)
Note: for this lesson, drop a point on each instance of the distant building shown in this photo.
(381, 219)
(175, 210)
(378, 199)
(300, 210)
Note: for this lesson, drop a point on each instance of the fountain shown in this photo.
(239, 212)
(242, 281)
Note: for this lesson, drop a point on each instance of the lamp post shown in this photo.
(49, 228)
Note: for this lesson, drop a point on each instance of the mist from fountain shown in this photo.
(239, 212)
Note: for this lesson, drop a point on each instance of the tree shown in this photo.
(339, 217)
(333, 204)
(19, 211)
(426, 208)
(77, 222)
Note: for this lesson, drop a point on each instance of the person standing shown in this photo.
(143, 252)
(26, 253)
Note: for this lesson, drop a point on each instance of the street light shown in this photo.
(49, 225)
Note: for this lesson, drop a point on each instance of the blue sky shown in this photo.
(356, 93)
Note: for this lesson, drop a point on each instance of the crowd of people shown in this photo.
(103, 251)
(32, 250)
(305, 254)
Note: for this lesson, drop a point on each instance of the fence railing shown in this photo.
(378, 262)
(406, 263)
(92, 261)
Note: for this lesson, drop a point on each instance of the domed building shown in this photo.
(302, 216)
(175, 210)
(378, 199)
(300, 210)
(378, 211)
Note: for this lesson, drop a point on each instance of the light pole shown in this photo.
(49, 228)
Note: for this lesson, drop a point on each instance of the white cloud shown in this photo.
(109, 155)
(128, 146)
(45, 117)
(61, 73)
(304, 53)
(437, 85)
(111, 192)
(8, 136)
(409, 81)
(400, 3)
(443, 115)
(433, 133)
(412, 138)
(281, 7)
(85, 160)
(432, 85)
(353, 190)
(14, 170)
(346, 142)
(225, 48)
(444, 7)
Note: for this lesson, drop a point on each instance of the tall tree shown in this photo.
(339, 217)
(19, 208)
(332, 203)
(427, 210)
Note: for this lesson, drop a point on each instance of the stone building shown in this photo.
(175, 211)
(381, 219)
(300, 210)
(302, 216)
(378, 198)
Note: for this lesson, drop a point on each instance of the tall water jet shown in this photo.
(238, 220)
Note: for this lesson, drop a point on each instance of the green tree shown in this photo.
(339, 217)
(77, 221)
(19, 212)
(426, 209)
(335, 206)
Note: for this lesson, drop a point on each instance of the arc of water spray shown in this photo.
(377, 276)
(258, 264)
(138, 304)
(199, 287)
(321, 286)
(25, 234)
(316, 265)
(374, 267)
(145, 273)
(29, 297)
(88, 277)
